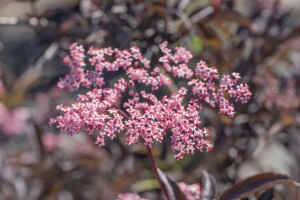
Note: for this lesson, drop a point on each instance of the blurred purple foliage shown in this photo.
(258, 39)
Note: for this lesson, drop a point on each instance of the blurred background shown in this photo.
(259, 39)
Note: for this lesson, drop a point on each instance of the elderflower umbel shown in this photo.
(145, 116)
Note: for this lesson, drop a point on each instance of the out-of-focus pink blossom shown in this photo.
(272, 94)
(191, 192)
(13, 121)
(84, 148)
(44, 102)
(51, 141)
(129, 196)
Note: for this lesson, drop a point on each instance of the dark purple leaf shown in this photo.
(171, 187)
(267, 195)
(255, 184)
(208, 186)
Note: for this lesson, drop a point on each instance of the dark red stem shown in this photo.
(154, 169)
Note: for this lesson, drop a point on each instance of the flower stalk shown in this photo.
(154, 169)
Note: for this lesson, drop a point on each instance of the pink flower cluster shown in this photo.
(207, 90)
(136, 66)
(144, 115)
(176, 63)
(151, 118)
